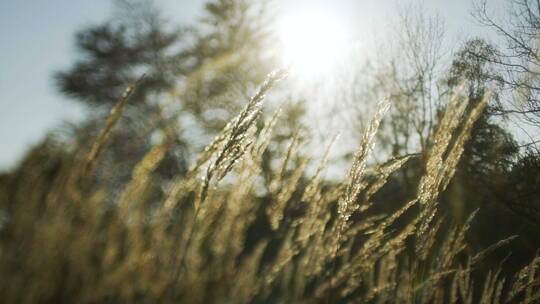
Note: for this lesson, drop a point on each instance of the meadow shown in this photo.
(218, 176)
(213, 236)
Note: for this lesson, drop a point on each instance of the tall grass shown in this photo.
(204, 241)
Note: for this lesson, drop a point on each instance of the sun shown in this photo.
(313, 42)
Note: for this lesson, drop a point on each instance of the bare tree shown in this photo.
(406, 69)
(519, 60)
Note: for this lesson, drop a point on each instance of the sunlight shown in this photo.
(314, 43)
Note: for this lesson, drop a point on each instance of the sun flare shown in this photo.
(313, 42)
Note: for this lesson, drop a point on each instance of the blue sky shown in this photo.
(37, 39)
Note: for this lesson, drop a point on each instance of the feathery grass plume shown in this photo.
(239, 207)
(131, 209)
(140, 177)
(526, 283)
(482, 254)
(429, 240)
(105, 133)
(229, 146)
(235, 141)
(465, 284)
(454, 155)
(65, 244)
(247, 280)
(282, 186)
(381, 282)
(429, 185)
(444, 261)
(491, 291)
(263, 139)
(381, 174)
(347, 204)
(440, 169)
(286, 253)
(312, 195)
(302, 257)
(428, 182)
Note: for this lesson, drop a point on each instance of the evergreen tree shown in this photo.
(113, 55)
(210, 69)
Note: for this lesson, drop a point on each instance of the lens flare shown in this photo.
(313, 43)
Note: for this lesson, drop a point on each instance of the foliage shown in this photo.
(188, 73)
(113, 55)
(519, 59)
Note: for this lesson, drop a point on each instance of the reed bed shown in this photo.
(289, 238)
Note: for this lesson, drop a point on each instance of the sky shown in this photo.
(37, 40)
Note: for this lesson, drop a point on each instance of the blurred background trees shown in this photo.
(198, 77)
(419, 79)
(136, 41)
(518, 57)
(195, 77)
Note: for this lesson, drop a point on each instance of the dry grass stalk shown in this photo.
(212, 242)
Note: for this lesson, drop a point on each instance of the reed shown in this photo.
(303, 240)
